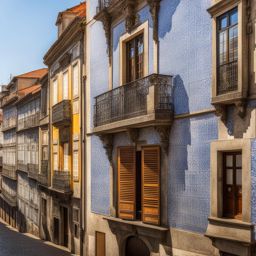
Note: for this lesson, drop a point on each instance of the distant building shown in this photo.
(65, 60)
(19, 192)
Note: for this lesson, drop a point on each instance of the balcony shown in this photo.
(61, 113)
(33, 171)
(9, 171)
(43, 177)
(9, 124)
(1, 161)
(22, 167)
(61, 182)
(29, 122)
(144, 102)
(10, 199)
(9, 98)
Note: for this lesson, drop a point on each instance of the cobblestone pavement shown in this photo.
(13, 243)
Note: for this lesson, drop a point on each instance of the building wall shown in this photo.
(185, 53)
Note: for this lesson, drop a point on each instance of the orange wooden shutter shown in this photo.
(127, 183)
(151, 185)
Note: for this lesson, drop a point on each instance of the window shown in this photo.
(139, 184)
(55, 161)
(75, 81)
(55, 92)
(227, 49)
(100, 244)
(44, 97)
(45, 145)
(232, 185)
(65, 86)
(75, 161)
(76, 222)
(65, 157)
(134, 59)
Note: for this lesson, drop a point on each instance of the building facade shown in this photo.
(19, 194)
(65, 60)
(27, 134)
(171, 116)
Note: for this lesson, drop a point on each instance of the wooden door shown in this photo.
(127, 183)
(100, 244)
(232, 185)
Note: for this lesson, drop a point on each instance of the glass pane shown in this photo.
(229, 176)
(238, 177)
(234, 18)
(239, 161)
(223, 22)
(233, 43)
(223, 47)
(229, 160)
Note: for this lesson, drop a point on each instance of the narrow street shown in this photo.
(13, 243)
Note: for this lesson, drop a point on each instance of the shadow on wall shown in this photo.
(166, 14)
(237, 126)
(180, 138)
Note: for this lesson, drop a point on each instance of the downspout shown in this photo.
(82, 144)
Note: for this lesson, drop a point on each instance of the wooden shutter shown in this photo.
(151, 185)
(127, 183)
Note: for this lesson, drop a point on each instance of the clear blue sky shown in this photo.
(27, 30)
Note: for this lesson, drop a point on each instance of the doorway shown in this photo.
(136, 247)
(65, 226)
(56, 226)
(232, 185)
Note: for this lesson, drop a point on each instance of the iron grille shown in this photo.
(131, 100)
(228, 77)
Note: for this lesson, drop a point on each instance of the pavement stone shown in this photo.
(13, 243)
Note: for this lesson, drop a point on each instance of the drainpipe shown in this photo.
(82, 146)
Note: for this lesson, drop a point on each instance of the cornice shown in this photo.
(73, 33)
(221, 5)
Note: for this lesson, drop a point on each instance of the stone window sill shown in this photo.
(230, 229)
(136, 223)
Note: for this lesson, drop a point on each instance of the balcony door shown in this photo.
(232, 185)
(135, 58)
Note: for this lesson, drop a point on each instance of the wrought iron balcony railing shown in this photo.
(9, 124)
(29, 122)
(43, 177)
(61, 181)
(10, 198)
(33, 171)
(22, 167)
(61, 113)
(227, 77)
(152, 94)
(9, 171)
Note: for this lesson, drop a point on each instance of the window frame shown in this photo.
(76, 95)
(216, 198)
(219, 8)
(55, 100)
(227, 30)
(65, 73)
(142, 29)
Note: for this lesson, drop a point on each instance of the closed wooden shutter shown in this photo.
(127, 183)
(151, 185)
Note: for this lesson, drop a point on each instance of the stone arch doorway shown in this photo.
(136, 247)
